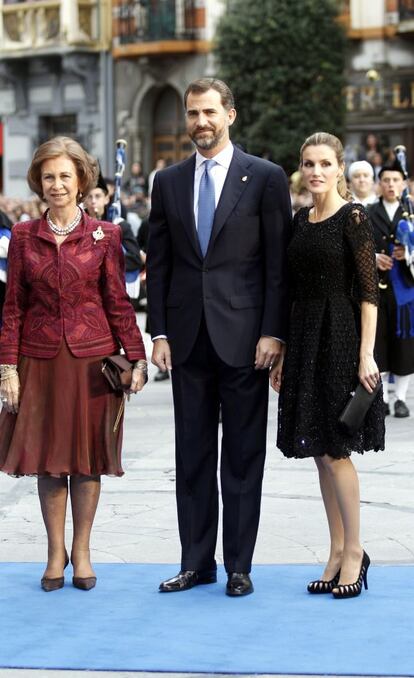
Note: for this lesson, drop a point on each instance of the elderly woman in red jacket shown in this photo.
(65, 310)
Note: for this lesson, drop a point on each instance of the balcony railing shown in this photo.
(47, 25)
(139, 21)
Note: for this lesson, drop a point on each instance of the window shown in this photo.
(57, 125)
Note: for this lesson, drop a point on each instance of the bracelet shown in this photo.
(141, 365)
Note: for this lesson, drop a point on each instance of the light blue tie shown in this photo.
(206, 206)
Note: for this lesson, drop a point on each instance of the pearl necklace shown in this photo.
(67, 229)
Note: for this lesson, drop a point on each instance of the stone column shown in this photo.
(179, 19)
(69, 22)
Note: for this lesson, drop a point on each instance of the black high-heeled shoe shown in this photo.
(322, 585)
(54, 583)
(353, 590)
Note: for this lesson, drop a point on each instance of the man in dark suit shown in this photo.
(218, 307)
(394, 343)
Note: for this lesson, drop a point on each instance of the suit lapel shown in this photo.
(384, 222)
(238, 177)
(184, 190)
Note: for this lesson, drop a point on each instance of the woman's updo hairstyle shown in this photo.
(326, 139)
(87, 168)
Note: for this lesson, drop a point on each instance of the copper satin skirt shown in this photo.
(65, 421)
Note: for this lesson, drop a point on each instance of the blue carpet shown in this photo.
(125, 624)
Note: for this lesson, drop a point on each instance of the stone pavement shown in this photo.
(136, 519)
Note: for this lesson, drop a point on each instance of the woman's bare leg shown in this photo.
(346, 486)
(84, 494)
(333, 514)
(53, 495)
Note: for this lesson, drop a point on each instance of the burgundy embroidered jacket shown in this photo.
(76, 292)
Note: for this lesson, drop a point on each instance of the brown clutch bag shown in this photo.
(118, 372)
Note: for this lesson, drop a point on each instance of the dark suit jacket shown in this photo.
(384, 232)
(241, 285)
(76, 292)
(5, 221)
(129, 243)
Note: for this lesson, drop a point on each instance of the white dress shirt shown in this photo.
(391, 208)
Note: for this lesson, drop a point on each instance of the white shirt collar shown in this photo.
(391, 205)
(223, 158)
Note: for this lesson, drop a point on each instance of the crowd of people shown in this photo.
(239, 295)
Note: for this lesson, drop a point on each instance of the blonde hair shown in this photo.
(326, 139)
(87, 169)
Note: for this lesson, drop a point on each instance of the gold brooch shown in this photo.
(98, 234)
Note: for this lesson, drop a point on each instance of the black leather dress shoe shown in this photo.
(186, 579)
(239, 584)
(400, 409)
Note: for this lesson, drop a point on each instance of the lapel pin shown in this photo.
(98, 234)
(244, 178)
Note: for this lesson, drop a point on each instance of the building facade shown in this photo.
(55, 78)
(99, 69)
(380, 74)
(159, 46)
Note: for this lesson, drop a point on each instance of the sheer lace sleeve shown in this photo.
(360, 237)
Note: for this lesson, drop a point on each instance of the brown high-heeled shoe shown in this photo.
(83, 583)
(54, 583)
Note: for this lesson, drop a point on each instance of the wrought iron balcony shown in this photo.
(44, 26)
(140, 21)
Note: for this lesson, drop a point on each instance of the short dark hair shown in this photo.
(204, 84)
(393, 166)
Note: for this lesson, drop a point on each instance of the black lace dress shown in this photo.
(332, 268)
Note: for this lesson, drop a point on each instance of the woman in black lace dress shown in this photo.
(331, 343)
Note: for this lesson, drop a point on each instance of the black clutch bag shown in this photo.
(354, 412)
